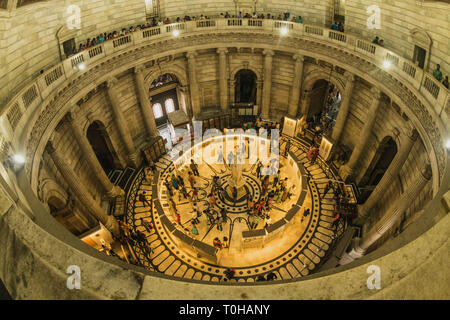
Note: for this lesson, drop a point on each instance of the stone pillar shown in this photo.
(80, 191)
(305, 104)
(132, 155)
(223, 78)
(193, 84)
(267, 86)
(343, 109)
(392, 216)
(347, 170)
(296, 86)
(92, 160)
(392, 171)
(144, 101)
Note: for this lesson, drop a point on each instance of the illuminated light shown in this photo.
(284, 31)
(176, 32)
(81, 66)
(386, 64)
(447, 144)
(18, 159)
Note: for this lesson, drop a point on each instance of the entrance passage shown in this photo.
(325, 101)
(101, 144)
(378, 166)
(245, 87)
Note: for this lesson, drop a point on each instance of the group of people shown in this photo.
(337, 26)
(378, 41)
(437, 74)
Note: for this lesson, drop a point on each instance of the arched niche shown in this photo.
(100, 142)
(386, 151)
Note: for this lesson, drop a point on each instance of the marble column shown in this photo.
(347, 170)
(132, 154)
(193, 84)
(92, 160)
(392, 216)
(80, 191)
(305, 104)
(267, 85)
(390, 175)
(296, 86)
(343, 108)
(144, 101)
(223, 78)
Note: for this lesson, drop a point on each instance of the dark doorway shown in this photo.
(245, 87)
(419, 56)
(325, 100)
(378, 166)
(69, 47)
(101, 144)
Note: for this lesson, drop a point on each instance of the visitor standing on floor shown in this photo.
(306, 213)
(169, 188)
(212, 200)
(143, 199)
(194, 230)
(194, 168)
(288, 146)
(174, 181)
(223, 213)
(194, 194)
(327, 188)
(217, 244)
(258, 170)
(191, 179)
(225, 242)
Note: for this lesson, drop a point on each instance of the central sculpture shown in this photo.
(236, 182)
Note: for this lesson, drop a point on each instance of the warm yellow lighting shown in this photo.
(19, 159)
(81, 66)
(284, 31)
(447, 144)
(386, 64)
(176, 33)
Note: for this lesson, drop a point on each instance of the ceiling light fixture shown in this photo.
(284, 31)
(176, 32)
(386, 64)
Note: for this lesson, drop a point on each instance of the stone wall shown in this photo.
(29, 34)
(398, 19)
(312, 11)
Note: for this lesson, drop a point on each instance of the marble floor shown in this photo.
(294, 253)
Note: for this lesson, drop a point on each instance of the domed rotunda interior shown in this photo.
(233, 150)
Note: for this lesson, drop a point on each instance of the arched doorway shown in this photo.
(163, 91)
(325, 100)
(378, 166)
(101, 144)
(245, 87)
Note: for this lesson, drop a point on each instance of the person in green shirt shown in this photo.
(300, 20)
(437, 72)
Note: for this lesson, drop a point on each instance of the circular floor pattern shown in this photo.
(299, 260)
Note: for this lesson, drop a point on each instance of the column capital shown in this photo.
(427, 172)
(298, 57)
(376, 93)
(191, 54)
(413, 135)
(349, 76)
(51, 148)
(111, 82)
(268, 52)
(139, 69)
(70, 117)
(222, 51)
